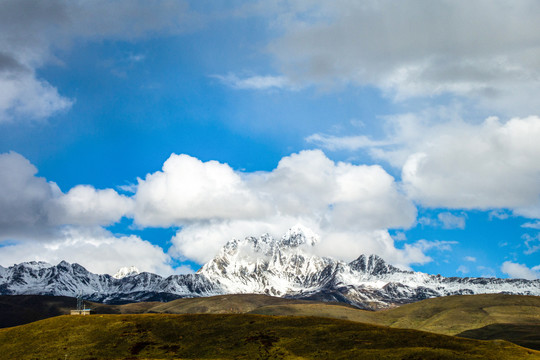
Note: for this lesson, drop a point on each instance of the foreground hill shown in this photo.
(226, 304)
(238, 336)
(515, 318)
(23, 309)
(287, 267)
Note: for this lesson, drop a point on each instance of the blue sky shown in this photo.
(150, 134)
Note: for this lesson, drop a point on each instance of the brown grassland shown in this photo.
(264, 327)
(236, 336)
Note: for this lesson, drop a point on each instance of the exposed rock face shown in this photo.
(280, 267)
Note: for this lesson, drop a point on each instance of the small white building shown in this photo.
(81, 312)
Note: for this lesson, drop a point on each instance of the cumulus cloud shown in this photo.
(411, 48)
(491, 165)
(25, 96)
(307, 184)
(40, 222)
(189, 190)
(350, 206)
(520, 271)
(459, 165)
(32, 30)
(25, 199)
(94, 248)
(212, 203)
(84, 205)
(36, 208)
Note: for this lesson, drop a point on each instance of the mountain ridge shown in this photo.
(283, 267)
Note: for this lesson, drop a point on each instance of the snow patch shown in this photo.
(126, 271)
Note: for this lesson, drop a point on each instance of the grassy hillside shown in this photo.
(240, 336)
(131, 308)
(22, 309)
(449, 315)
(514, 318)
(455, 314)
(335, 311)
(223, 304)
(495, 316)
(521, 334)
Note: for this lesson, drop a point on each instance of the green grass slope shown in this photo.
(455, 314)
(223, 304)
(494, 316)
(240, 336)
(334, 311)
(514, 318)
(521, 334)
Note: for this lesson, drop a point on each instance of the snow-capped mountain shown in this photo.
(126, 271)
(283, 267)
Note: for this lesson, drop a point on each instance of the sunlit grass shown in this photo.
(163, 336)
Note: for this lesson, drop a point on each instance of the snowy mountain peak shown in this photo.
(299, 235)
(36, 265)
(266, 245)
(372, 264)
(126, 271)
(262, 265)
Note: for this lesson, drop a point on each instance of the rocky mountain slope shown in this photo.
(282, 267)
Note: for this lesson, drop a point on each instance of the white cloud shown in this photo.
(349, 143)
(498, 214)
(463, 269)
(256, 82)
(451, 221)
(32, 30)
(37, 208)
(25, 199)
(39, 222)
(399, 236)
(94, 248)
(470, 258)
(411, 48)
(25, 96)
(449, 163)
(459, 165)
(211, 203)
(307, 184)
(486, 271)
(532, 243)
(344, 203)
(84, 205)
(439, 245)
(446, 220)
(520, 271)
(200, 242)
(188, 190)
(532, 225)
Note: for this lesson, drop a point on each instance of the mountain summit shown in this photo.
(284, 267)
(126, 271)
